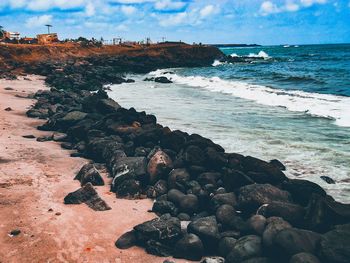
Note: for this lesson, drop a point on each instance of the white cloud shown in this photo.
(37, 21)
(308, 3)
(169, 5)
(128, 9)
(90, 9)
(291, 7)
(268, 8)
(122, 27)
(207, 10)
(174, 20)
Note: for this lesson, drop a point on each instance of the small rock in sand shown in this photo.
(8, 109)
(15, 232)
(31, 136)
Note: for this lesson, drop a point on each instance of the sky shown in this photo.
(220, 21)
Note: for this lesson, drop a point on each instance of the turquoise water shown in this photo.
(246, 111)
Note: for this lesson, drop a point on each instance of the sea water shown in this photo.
(291, 103)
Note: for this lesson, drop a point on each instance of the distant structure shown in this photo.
(12, 35)
(44, 39)
(48, 28)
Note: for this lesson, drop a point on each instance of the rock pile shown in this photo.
(209, 202)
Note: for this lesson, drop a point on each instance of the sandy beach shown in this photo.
(34, 179)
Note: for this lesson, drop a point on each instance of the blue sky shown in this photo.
(220, 21)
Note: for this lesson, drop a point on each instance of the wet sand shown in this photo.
(34, 179)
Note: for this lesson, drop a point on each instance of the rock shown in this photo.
(15, 232)
(274, 225)
(159, 249)
(159, 164)
(225, 214)
(178, 178)
(29, 136)
(327, 179)
(72, 117)
(8, 109)
(226, 245)
(194, 155)
(106, 106)
(335, 245)
(322, 213)
(128, 168)
(164, 229)
(213, 260)
(208, 178)
(163, 80)
(174, 140)
(128, 188)
(206, 229)
(159, 188)
(258, 260)
(44, 139)
(223, 199)
(245, 248)
(292, 213)
(304, 258)
(126, 241)
(256, 225)
(275, 175)
(234, 179)
(231, 233)
(164, 207)
(88, 195)
(302, 190)
(89, 174)
(175, 196)
(291, 241)
(214, 159)
(59, 137)
(38, 113)
(189, 247)
(183, 217)
(278, 164)
(67, 145)
(253, 196)
(189, 204)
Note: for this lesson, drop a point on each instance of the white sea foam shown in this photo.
(315, 104)
(234, 55)
(217, 63)
(261, 54)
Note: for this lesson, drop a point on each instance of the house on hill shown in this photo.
(12, 35)
(44, 39)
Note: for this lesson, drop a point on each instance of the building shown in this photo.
(12, 35)
(44, 39)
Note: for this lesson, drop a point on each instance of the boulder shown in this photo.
(159, 249)
(245, 248)
(189, 247)
(292, 213)
(302, 190)
(258, 260)
(207, 230)
(163, 229)
(128, 188)
(193, 155)
(274, 225)
(163, 80)
(278, 164)
(174, 140)
(208, 178)
(88, 195)
(304, 258)
(327, 179)
(253, 196)
(189, 204)
(291, 241)
(159, 164)
(226, 245)
(335, 245)
(225, 214)
(213, 260)
(106, 106)
(256, 225)
(128, 168)
(71, 118)
(234, 179)
(126, 241)
(178, 179)
(159, 188)
(175, 196)
(322, 213)
(164, 207)
(89, 174)
(275, 175)
(223, 199)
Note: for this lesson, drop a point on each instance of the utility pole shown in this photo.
(48, 28)
(163, 39)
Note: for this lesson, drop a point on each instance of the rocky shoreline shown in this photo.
(212, 205)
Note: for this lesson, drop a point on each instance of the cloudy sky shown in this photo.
(220, 21)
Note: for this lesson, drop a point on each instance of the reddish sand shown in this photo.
(35, 177)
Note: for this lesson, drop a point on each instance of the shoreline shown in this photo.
(35, 177)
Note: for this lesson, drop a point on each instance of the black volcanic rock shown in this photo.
(89, 174)
(206, 229)
(189, 247)
(163, 80)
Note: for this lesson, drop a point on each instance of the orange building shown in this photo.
(47, 38)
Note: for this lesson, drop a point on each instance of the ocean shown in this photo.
(290, 103)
